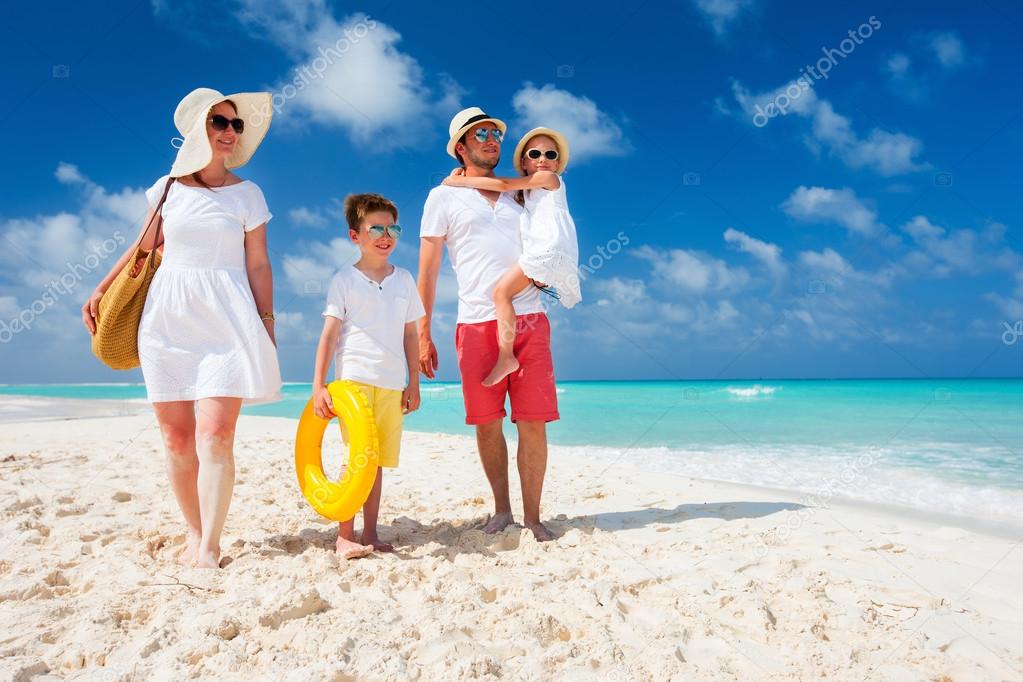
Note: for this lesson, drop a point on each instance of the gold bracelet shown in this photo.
(267, 316)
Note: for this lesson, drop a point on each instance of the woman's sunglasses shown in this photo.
(377, 231)
(220, 123)
(551, 154)
(482, 133)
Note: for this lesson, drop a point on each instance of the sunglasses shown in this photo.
(551, 154)
(220, 123)
(377, 231)
(482, 133)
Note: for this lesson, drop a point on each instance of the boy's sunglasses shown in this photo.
(220, 123)
(482, 133)
(551, 154)
(377, 231)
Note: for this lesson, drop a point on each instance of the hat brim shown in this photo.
(559, 140)
(461, 131)
(255, 108)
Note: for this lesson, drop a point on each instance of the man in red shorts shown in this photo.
(481, 231)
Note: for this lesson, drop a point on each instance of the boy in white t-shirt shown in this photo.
(369, 328)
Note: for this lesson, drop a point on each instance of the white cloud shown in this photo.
(886, 153)
(841, 206)
(693, 272)
(590, 131)
(350, 72)
(898, 65)
(948, 49)
(721, 13)
(306, 217)
(309, 272)
(767, 253)
(942, 253)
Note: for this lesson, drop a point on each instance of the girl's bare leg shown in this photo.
(177, 425)
(512, 283)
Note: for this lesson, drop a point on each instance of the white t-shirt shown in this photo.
(373, 317)
(484, 242)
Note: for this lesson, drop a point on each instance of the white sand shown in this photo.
(652, 577)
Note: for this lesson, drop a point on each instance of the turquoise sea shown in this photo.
(953, 446)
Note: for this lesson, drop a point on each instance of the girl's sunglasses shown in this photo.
(220, 123)
(377, 231)
(481, 134)
(551, 154)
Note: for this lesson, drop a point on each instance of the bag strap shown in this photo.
(159, 207)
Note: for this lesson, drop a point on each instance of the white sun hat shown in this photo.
(559, 140)
(465, 119)
(194, 154)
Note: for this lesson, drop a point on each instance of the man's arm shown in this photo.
(431, 250)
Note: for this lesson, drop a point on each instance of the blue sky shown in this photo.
(863, 226)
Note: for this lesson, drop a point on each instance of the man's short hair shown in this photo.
(461, 140)
(358, 206)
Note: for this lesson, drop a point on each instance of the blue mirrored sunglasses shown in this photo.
(377, 231)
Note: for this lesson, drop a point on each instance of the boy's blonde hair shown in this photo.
(358, 206)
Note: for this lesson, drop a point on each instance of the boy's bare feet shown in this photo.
(350, 549)
(498, 522)
(377, 544)
(540, 532)
(190, 553)
(504, 367)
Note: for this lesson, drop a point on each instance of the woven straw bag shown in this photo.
(116, 341)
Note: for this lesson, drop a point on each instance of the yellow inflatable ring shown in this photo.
(338, 500)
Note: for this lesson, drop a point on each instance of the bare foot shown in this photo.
(498, 522)
(190, 553)
(540, 532)
(377, 544)
(352, 550)
(208, 559)
(504, 367)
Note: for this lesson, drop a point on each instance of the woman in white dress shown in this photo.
(550, 250)
(206, 338)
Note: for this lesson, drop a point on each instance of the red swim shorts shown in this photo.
(531, 387)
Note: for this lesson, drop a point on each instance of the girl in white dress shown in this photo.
(550, 250)
(206, 338)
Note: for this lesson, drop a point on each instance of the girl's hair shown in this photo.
(195, 175)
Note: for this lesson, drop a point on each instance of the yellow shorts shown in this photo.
(386, 404)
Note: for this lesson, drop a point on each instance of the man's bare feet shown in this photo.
(208, 559)
(540, 532)
(349, 549)
(504, 367)
(377, 544)
(498, 522)
(190, 553)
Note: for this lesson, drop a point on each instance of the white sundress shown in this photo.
(200, 335)
(550, 250)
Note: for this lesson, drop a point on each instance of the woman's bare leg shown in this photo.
(177, 425)
(216, 422)
(513, 282)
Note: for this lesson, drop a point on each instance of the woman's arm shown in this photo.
(257, 266)
(538, 180)
(90, 310)
(323, 405)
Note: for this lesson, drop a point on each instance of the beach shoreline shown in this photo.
(651, 577)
